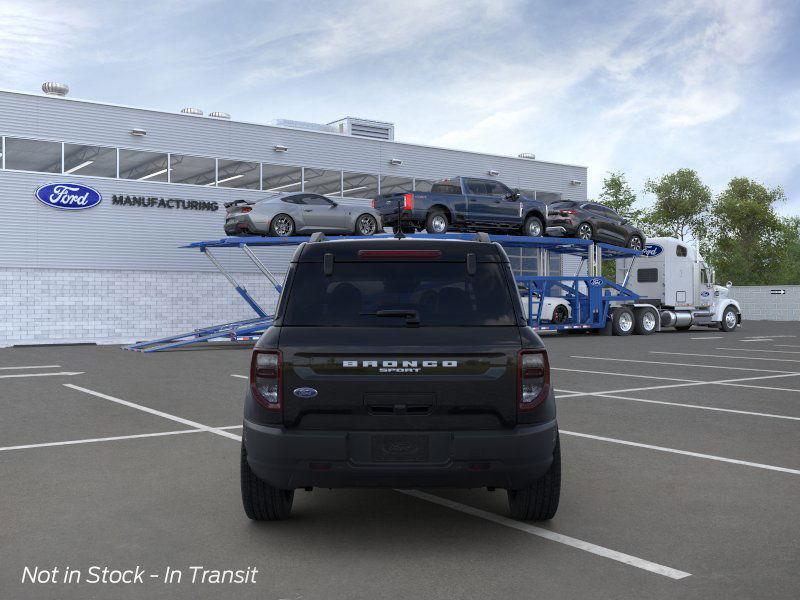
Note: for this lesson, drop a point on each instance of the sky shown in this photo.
(639, 87)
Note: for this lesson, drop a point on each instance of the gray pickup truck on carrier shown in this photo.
(400, 363)
(464, 204)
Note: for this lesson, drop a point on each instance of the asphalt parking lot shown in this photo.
(681, 456)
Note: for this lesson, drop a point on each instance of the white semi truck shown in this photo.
(676, 289)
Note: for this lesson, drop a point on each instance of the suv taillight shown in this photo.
(408, 201)
(568, 212)
(246, 209)
(373, 203)
(265, 378)
(534, 378)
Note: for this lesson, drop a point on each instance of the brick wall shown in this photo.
(759, 304)
(41, 306)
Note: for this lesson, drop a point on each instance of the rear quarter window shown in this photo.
(441, 293)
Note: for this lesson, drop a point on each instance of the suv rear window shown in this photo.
(441, 292)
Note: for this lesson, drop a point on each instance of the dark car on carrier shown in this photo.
(593, 221)
(400, 363)
(464, 204)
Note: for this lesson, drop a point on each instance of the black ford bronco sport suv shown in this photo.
(400, 363)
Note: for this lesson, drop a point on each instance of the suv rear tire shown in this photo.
(539, 501)
(261, 501)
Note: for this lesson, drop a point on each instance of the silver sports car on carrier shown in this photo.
(286, 214)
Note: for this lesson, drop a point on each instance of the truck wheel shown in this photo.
(533, 227)
(436, 222)
(539, 501)
(729, 320)
(645, 322)
(623, 322)
(262, 502)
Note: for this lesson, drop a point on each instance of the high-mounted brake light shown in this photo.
(534, 378)
(399, 254)
(408, 201)
(265, 378)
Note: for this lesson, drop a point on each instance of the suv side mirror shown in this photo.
(334, 204)
(513, 195)
(729, 285)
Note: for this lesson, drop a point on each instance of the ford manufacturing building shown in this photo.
(115, 272)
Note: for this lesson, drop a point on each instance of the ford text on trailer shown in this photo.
(671, 277)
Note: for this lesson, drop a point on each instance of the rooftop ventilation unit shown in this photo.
(376, 130)
(51, 88)
(303, 125)
(192, 111)
(219, 115)
(527, 155)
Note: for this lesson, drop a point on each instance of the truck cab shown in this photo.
(672, 276)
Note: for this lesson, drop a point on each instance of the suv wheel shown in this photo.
(584, 231)
(366, 225)
(533, 227)
(729, 320)
(281, 226)
(262, 502)
(436, 222)
(635, 243)
(539, 501)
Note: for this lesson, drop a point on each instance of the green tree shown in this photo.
(618, 195)
(681, 205)
(749, 243)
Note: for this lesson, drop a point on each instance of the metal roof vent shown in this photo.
(219, 115)
(192, 111)
(527, 155)
(51, 88)
(377, 130)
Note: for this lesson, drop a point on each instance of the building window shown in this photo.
(396, 185)
(194, 170)
(237, 174)
(33, 155)
(423, 185)
(321, 181)
(280, 178)
(144, 166)
(360, 185)
(96, 161)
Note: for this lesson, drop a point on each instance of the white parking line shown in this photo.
(239, 376)
(111, 439)
(627, 559)
(787, 346)
(682, 452)
(756, 340)
(708, 337)
(679, 404)
(31, 367)
(622, 374)
(64, 373)
(759, 350)
(794, 360)
(655, 362)
(158, 413)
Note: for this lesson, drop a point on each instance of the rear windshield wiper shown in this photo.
(411, 315)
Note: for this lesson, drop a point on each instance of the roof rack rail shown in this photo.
(317, 236)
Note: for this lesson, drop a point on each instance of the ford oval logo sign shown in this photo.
(652, 250)
(596, 281)
(68, 196)
(305, 392)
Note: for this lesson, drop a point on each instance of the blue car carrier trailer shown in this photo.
(595, 302)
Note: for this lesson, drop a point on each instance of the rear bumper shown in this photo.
(243, 225)
(290, 459)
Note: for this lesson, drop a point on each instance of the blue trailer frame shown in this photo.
(590, 306)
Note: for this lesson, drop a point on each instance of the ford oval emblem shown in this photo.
(68, 196)
(596, 281)
(652, 250)
(305, 392)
